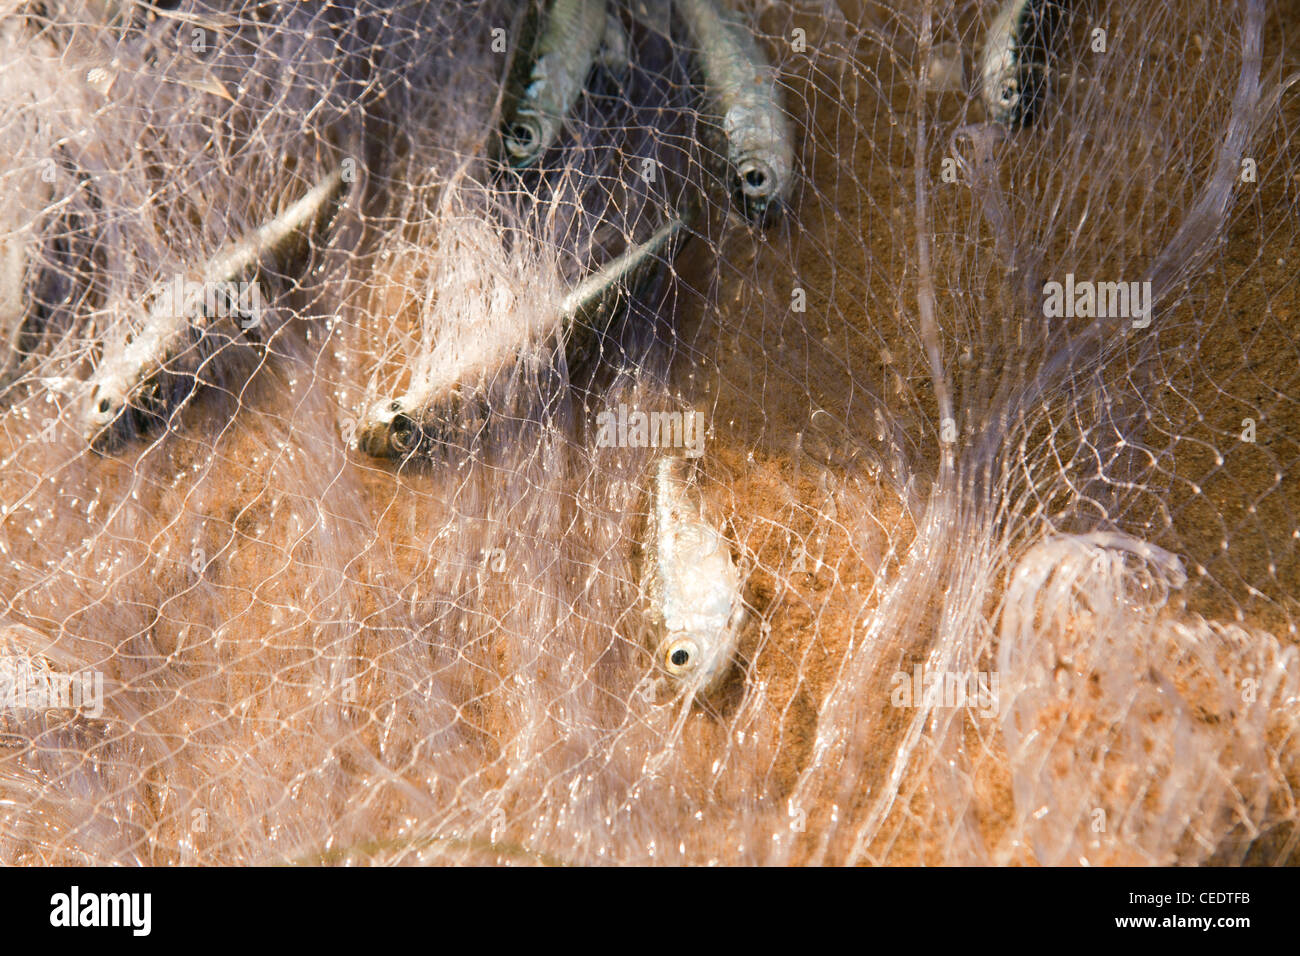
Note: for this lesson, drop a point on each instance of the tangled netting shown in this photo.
(352, 571)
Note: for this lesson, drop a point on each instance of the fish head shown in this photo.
(1012, 86)
(761, 157)
(758, 190)
(699, 658)
(1003, 98)
(117, 408)
(104, 409)
(422, 420)
(389, 429)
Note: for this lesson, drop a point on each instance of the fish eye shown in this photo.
(104, 406)
(681, 655)
(403, 433)
(1008, 94)
(523, 139)
(755, 179)
(395, 405)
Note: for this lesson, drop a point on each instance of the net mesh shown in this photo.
(1020, 584)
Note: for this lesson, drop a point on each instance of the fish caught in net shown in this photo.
(649, 431)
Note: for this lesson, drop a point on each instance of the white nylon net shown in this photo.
(1020, 587)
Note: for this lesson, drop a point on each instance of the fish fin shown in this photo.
(206, 84)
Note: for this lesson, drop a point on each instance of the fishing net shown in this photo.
(355, 577)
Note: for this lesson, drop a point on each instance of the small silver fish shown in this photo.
(690, 583)
(566, 51)
(394, 427)
(127, 379)
(1013, 68)
(742, 88)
